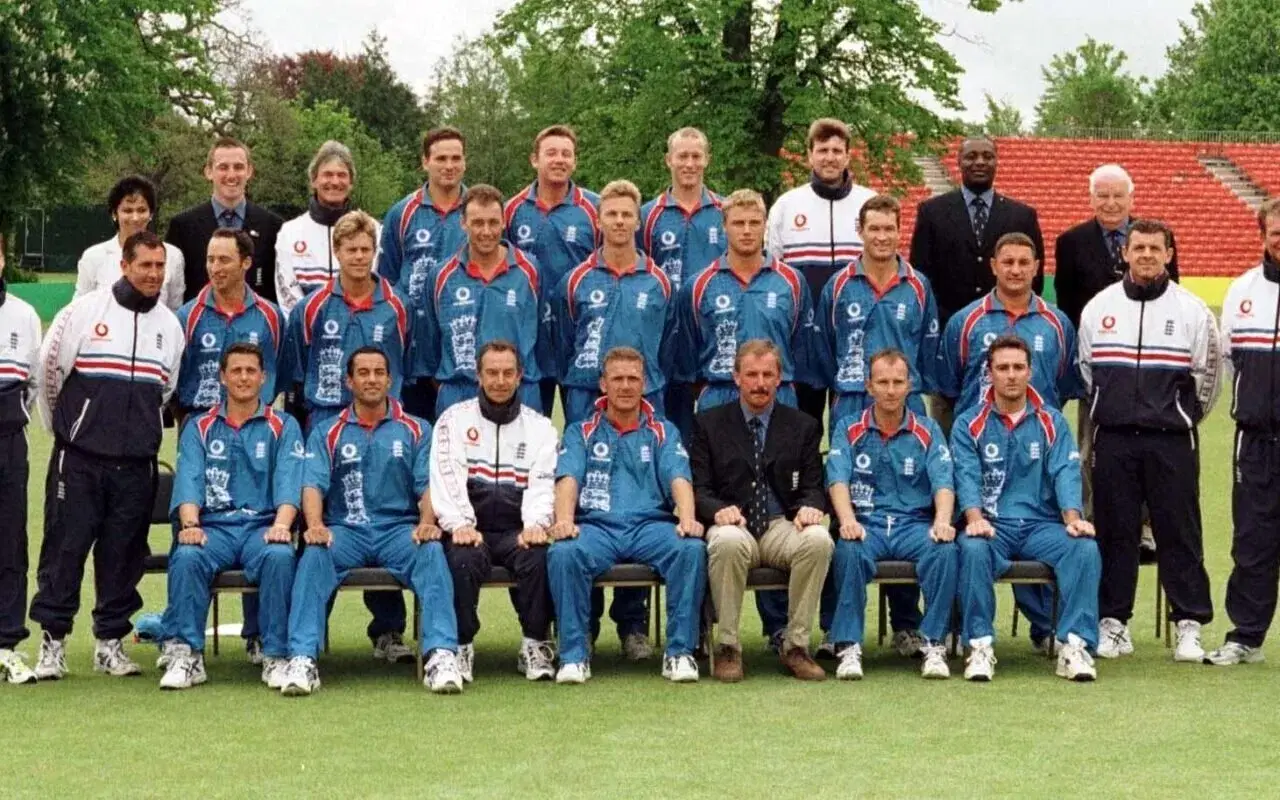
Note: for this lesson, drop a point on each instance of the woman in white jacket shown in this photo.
(132, 204)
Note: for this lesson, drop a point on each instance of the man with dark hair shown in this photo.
(1017, 475)
(492, 484)
(109, 363)
(1150, 360)
(229, 168)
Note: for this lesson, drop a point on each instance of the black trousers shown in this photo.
(812, 401)
(419, 399)
(1162, 469)
(103, 505)
(14, 471)
(531, 596)
(1255, 541)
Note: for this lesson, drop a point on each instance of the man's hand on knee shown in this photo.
(533, 536)
(193, 536)
(318, 535)
(467, 536)
(563, 529)
(807, 516)
(426, 532)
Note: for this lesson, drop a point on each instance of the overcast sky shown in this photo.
(1001, 53)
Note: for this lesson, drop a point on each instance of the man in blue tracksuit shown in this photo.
(490, 290)
(553, 219)
(365, 501)
(236, 493)
(356, 309)
(1018, 484)
(682, 230)
(624, 493)
(889, 474)
(419, 233)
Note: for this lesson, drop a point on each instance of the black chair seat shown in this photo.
(1028, 571)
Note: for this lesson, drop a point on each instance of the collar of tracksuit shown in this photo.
(1146, 293)
(326, 215)
(131, 298)
(832, 193)
(499, 413)
(1270, 271)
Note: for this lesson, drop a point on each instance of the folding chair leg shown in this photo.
(882, 617)
(417, 635)
(655, 597)
(1161, 621)
(215, 623)
(1053, 620)
(1014, 632)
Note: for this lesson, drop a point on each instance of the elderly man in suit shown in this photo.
(229, 169)
(757, 476)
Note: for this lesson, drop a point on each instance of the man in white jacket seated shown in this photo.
(132, 205)
(493, 486)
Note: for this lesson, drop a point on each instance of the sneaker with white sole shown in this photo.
(1187, 647)
(166, 653)
(442, 675)
(981, 663)
(1113, 638)
(934, 665)
(109, 657)
(826, 650)
(907, 643)
(390, 647)
(253, 650)
(1074, 661)
(680, 669)
(185, 670)
(536, 660)
(574, 672)
(13, 666)
(301, 677)
(466, 659)
(51, 664)
(275, 671)
(636, 647)
(850, 666)
(1230, 654)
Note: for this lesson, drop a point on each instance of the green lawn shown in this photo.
(1146, 728)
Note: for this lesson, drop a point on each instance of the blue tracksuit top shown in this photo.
(854, 321)
(418, 236)
(897, 474)
(682, 242)
(623, 477)
(560, 238)
(325, 330)
(465, 312)
(962, 357)
(371, 478)
(715, 313)
(210, 330)
(239, 474)
(597, 309)
(1025, 471)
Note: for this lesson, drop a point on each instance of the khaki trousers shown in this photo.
(732, 552)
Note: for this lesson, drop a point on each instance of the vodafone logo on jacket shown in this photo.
(100, 331)
(300, 247)
(800, 222)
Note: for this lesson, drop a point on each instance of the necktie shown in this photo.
(1115, 243)
(757, 509)
(980, 213)
(228, 218)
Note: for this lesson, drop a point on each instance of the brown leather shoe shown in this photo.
(728, 664)
(802, 665)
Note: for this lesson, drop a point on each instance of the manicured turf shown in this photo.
(1147, 728)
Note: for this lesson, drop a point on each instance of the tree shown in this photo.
(1222, 72)
(752, 75)
(1003, 118)
(1088, 88)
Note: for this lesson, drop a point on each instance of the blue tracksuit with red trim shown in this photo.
(1022, 475)
(561, 237)
(624, 514)
(682, 241)
(211, 330)
(417, 237)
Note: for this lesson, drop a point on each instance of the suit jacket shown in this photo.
(1084, 267)
(191, 230)
(944, 248)
(722, 456)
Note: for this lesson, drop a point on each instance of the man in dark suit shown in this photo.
(759, 485)
(229, 168)
(955, 236)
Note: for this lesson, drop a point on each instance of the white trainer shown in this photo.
(1074, 661)
(536, 660)
(981, 663)
(166, 653)
(466, 660)
(907, 643)
(301, 677)
(1113, 638)
(934, 665)
(574, 673)
(1230, 654)
(850, 666)
(185, 670)
(13, 666)
(636, 647)
(275, 671)
(109, 657)
(680, 669)
(52, 661)
(390, 647)
(1187, 646)
(442, 675)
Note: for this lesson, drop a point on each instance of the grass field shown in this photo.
(1146, 728)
